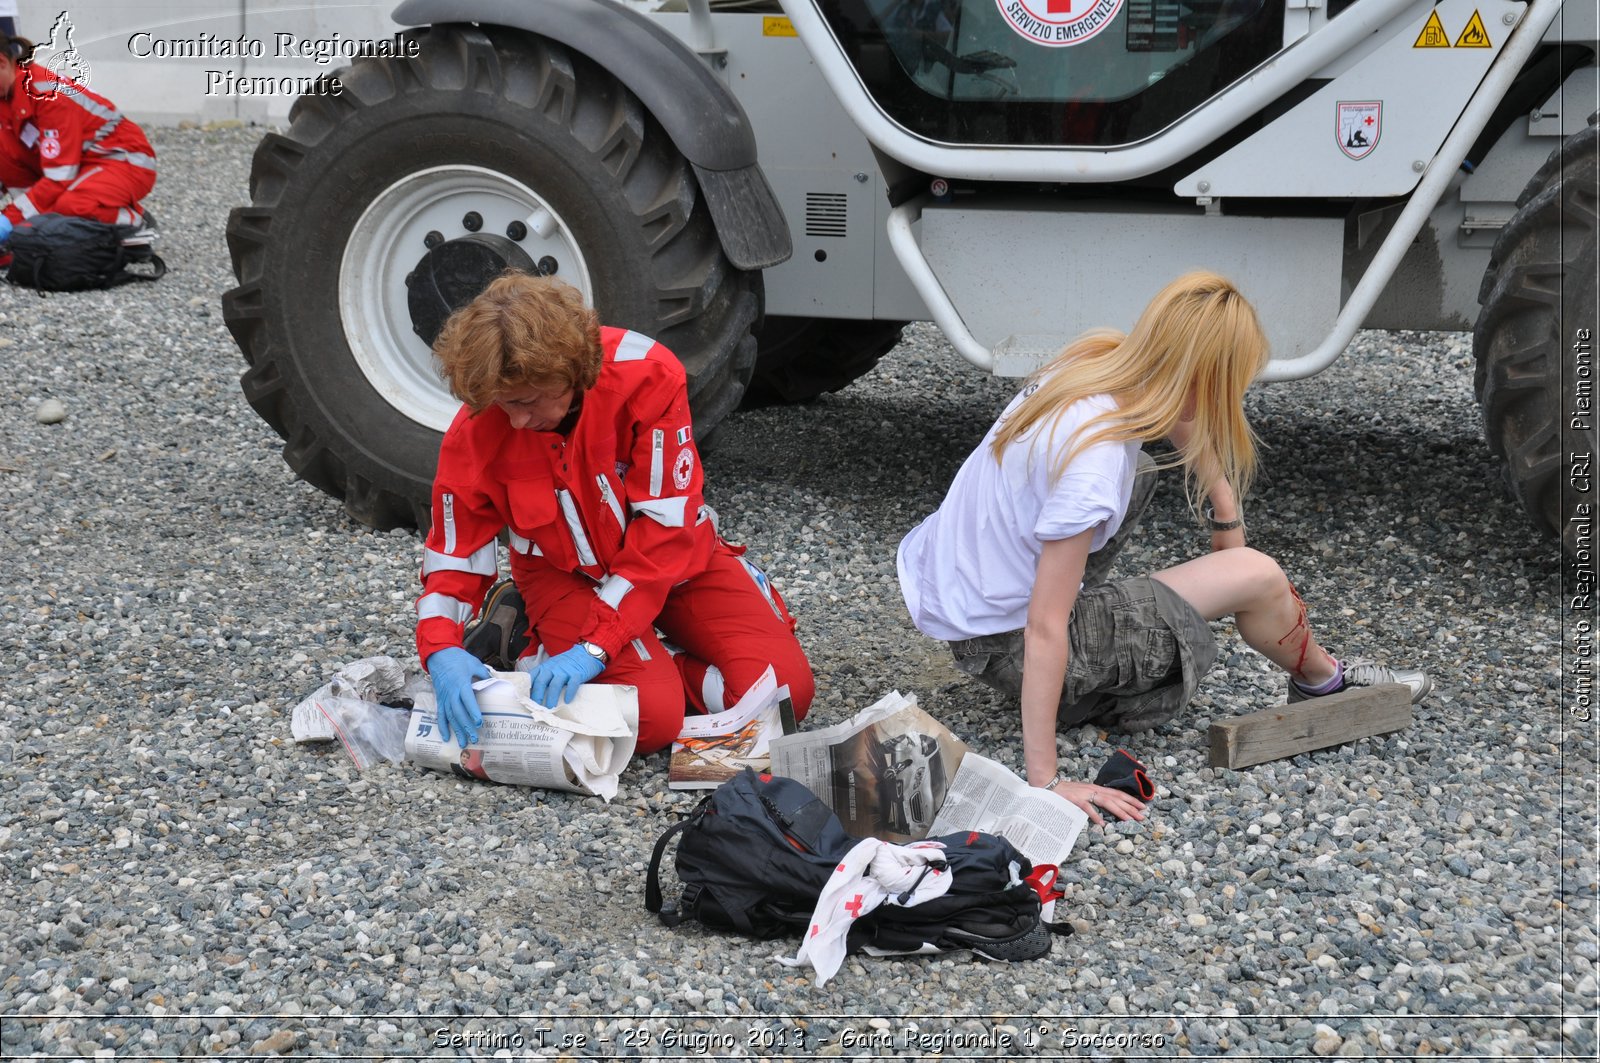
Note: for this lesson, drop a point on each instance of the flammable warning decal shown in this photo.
(1059, 23)
(1433, 34)
(1474, 36)
(1357, 126)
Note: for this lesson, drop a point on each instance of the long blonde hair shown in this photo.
(1198, 338)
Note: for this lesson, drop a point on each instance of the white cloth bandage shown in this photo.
(871, 874)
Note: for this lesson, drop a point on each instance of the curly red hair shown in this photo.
(521, 331)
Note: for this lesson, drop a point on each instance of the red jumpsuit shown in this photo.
(610, 541)
(72, 151)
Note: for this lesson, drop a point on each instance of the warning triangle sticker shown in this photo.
(1433, 34)
(1474, 36)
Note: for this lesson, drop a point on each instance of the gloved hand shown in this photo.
(559, 678)
(453, 669)
(5, 228)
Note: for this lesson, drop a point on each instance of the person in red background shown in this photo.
(576, 440)
(65, 149)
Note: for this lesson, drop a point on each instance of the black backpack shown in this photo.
(757, 852)
(57, 253)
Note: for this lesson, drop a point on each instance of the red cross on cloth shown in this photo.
(853, 906)
(1058, 7)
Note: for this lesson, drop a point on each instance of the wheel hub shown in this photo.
(426, 245)
(449, 275)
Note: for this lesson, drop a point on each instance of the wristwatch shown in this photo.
(595, 651)
(1216, 525)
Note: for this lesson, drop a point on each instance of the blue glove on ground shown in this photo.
(5, 228)
(453, 669)
(559, 678)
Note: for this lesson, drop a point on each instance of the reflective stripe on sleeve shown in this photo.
(667, 512)
(575, 526)
(432, 605)
(706, 513)
(658, 442)
(61, 173)
(638, 647)
(25, 205)
(610, 498)
(73, 93)
(613, 589)
(633, 347)
(132, 158)
(480, 562)
(106, 129)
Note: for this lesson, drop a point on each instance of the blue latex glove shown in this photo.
(559, 678)
(5, 228)
(453, 669)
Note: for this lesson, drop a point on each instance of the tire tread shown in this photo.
(699, 306)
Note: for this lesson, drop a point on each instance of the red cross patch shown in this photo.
(853, 906)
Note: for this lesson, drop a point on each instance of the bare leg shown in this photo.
(1270, 615)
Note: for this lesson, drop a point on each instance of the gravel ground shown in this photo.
(180, 878)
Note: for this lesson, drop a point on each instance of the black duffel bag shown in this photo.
(755, 855)
(57, 253)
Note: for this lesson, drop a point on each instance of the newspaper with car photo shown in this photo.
(894, 772)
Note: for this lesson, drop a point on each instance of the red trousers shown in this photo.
(102, 191)
(726, 628)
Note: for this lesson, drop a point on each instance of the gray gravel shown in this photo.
(179, 878)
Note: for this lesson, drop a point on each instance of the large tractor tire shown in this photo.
(800, 358)
(385, 207)
(1538, 297)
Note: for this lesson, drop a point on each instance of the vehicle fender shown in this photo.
(699, 113)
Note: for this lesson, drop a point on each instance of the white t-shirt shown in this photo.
(968, 569)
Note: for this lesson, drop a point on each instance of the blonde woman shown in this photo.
(1010, 569)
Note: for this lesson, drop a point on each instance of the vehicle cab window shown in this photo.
(1050, 72)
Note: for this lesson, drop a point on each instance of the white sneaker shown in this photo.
(1365, 673)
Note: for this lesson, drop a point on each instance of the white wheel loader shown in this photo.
(774, 189)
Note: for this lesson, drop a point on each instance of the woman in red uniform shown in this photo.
(576, 441)
(65, 149)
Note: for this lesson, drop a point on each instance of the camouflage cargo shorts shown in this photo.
(1137, 651)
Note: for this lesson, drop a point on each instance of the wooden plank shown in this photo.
(1315, 724)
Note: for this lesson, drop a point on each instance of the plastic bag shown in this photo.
(368, 731)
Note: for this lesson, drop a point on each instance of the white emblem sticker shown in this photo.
(1357, 127)
(682, 468)
(1059, 23)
